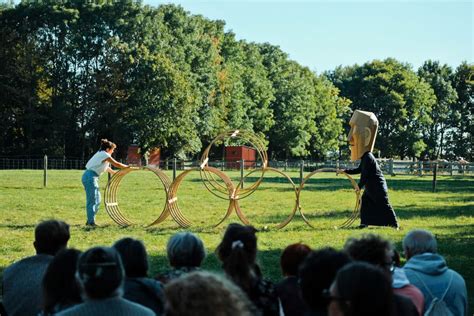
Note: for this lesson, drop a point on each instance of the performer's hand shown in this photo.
(339, 171)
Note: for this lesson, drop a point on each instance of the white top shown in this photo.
(97, 163)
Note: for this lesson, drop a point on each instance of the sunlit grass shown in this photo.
(326, 200)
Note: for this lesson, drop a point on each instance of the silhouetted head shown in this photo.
(100, 273)
(185, 249)
(204, 293)
(373, 249)
(51, 236)
(292, 257)
(360, 289)
(238, 251)
(134, 257)
(316, 274)
(419, 241)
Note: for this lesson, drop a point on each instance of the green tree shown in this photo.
(438, 77)
(460, 137)
(400, 100)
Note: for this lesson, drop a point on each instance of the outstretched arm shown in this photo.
(115, 163)
(355, 170)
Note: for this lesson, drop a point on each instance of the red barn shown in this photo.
(234, 154)
(133, 157)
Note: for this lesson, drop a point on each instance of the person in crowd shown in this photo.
(428, 271)
(375, 250)
(237, 252)
(186, 253)
(204, 293)
(22, 280)
(138, 287)
(401, 285)
(95, 167)
(100, 275)
(360, 289)
(316, 274)
(288, 289)
(60, 289)
(375, 206)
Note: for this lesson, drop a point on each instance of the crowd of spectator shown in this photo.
(364, 278)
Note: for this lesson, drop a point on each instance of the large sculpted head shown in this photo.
(361, 137)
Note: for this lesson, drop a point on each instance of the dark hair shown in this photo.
(238, 251)
(134, 257)
(185, 249)
(317, 272)
(59, 282)
(106, 144)
(291, 258)
(369, 248)
(100, 272)
(51, 236)
(396, 258)
(367, 289)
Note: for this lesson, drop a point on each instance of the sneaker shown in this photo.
(91, 224)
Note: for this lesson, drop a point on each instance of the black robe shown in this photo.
(375, 209)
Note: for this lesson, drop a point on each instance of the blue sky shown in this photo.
(325, 34)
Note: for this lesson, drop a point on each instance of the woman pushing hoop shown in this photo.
(95, 167)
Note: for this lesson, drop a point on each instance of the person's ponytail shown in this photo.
(106, 144)
(238, 266)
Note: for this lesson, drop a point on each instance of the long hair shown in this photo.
(237, 251)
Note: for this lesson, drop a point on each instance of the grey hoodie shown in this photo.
(429, 273)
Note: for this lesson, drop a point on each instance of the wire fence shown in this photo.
(388, 166)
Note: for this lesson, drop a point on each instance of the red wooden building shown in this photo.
(235, 154)
(135, 158)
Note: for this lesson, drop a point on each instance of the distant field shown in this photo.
(327, 200)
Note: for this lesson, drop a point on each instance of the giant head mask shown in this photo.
(362, 134)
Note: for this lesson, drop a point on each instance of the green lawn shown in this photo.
(327, 200)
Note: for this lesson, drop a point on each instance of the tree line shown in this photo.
(73, 72)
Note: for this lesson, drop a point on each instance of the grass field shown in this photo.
(327, 200)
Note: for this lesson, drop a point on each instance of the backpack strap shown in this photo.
(424, 285)
(449, 285)
(428, 290)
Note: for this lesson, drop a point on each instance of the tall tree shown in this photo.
(400, 100)
(438, 77)
(460, 137)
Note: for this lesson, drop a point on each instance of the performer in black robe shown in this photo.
(375, 209)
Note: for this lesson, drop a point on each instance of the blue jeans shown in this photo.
(90, 180)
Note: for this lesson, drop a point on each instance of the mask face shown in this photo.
(361, 137)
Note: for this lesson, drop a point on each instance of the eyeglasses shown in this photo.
(327, 294)
(390, 265)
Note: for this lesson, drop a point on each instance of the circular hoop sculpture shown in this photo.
(172, 201)
(244, 219)
(355, 213)
(218, 189)
(111, 202)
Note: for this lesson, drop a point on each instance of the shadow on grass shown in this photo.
(455, 185)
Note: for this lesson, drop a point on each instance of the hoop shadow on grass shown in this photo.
(413, 211)
(425, 184)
